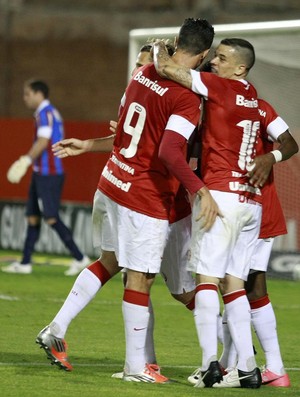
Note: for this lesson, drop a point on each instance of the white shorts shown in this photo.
(228, 246)
(174, 263)
(137, 239)
(104, 219)
(261, 256)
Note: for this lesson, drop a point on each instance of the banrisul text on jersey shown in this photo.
(140, 78)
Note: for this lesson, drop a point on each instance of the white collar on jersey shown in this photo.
(42, 105)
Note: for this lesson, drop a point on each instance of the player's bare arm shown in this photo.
(38, 147)
(287, 145)
(263, 164)
(75, 147)
(209, 209)
(166, 67)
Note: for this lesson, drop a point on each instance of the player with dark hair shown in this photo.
(137, 188)
(273, 129)
(47, 180)
(229, 135)
(179, 281)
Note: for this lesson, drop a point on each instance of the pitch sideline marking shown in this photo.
(11, 364)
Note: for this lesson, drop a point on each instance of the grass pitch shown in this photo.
(96, 338)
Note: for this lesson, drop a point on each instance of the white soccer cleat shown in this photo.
(195, 376)
(243, 379)
(76, 266)
(120, 375)
(18, 268)
(149, 375)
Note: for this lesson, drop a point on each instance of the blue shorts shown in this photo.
(44, 195)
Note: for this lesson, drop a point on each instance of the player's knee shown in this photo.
(109, 261)
(50, 221)
(33, 220)
(256, 293)
(139, 281)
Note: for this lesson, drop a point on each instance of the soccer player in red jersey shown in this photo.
(162, 188)
(273, 129)
(230, 60)
(230, 131)
(137, 186)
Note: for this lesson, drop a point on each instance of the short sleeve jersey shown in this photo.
(134, 176)
(273, 221)
(229, 133)
(48, 124)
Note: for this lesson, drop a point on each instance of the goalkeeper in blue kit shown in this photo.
(46, 182)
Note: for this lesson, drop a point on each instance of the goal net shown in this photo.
(276, 76)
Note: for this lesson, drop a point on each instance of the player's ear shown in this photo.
(241, 70)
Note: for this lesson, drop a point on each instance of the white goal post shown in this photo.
(254, 32)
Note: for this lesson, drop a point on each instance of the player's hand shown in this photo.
(160, 55)
(69, 147)
(209, 209)
(113, 126)
(18, 169)
(259, 170)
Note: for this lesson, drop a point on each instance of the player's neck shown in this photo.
(187, 60)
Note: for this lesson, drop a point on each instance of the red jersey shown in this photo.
(273, 221)
(181, 207)
(229, 134)
(134, 176)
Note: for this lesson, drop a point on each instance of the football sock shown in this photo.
(67, 238)
(86, 286)
(150, 350)
(135, 307)
(207, 309)
(264, 323)
(32, 235)
(220, 328)
(237, 308)
(228, 357)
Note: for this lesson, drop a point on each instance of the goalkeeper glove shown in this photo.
(18, 169)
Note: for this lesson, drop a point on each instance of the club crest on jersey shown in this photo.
(140, 78)
(241, 101)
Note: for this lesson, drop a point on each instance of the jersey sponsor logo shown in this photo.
(236, 174)
(239, 187)
(125, 186)
(241, 101)
(140, 78)
(122, 165)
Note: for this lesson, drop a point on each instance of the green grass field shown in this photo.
(96, 341)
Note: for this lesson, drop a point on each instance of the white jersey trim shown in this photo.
(44, 132)
(180, 125)
(197, 84)
(123, 100)
(276, 128)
